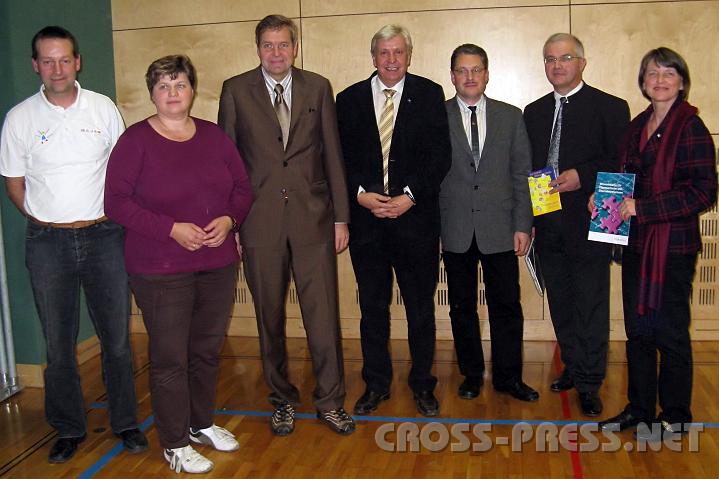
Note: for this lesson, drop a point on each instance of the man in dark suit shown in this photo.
(284, 124)
(395, 140)
(486, 216)
(576, 129)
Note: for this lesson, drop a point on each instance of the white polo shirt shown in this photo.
(62, 153)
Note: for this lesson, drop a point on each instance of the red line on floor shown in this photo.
(566, 413)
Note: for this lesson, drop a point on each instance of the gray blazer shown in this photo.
(492, 203)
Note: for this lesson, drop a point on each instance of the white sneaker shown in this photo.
(188, 460)
(215, 436)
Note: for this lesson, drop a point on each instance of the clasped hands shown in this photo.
(385, 206)
(192, 237)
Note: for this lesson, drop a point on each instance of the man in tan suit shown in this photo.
(284, 124)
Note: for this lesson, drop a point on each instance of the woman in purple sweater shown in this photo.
(179, 187)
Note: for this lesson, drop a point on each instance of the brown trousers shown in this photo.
(186, 316)
(314, 269)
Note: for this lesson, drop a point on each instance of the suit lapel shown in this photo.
(406, 106)
(262, 100)
(456, 126)
(299, 98)
(365, 109)
(490, 132)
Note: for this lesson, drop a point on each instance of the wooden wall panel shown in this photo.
(133, 14)
(616, 37)
(219, 37)
(516, 69)
(217, 51)
(312, 8)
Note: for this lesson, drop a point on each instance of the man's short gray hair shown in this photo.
(568, 37)
(391, 31)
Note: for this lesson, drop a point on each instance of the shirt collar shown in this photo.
(481, 104)
(557, 96)
(379, 87)
(271, 82)
(78, 103)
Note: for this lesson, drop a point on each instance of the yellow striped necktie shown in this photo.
(386, 126)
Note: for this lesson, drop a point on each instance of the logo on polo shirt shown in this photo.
(43, 135)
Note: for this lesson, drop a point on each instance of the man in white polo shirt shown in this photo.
(53, 154)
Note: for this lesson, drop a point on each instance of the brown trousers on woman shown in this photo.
(186, 317)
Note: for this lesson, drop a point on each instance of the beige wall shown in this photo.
(219, 37)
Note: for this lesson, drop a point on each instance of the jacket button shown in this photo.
(476, 187)
(279, 138)
(284, 163)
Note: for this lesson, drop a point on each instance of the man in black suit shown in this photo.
(576, 129)
(395, 140)
(486, 216)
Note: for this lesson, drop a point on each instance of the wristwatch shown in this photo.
(235, 227)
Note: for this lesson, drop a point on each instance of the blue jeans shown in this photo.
(60, 261)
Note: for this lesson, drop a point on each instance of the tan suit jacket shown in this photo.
(310, 173)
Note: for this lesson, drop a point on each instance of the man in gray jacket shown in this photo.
(486, 216)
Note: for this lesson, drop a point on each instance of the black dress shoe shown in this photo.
(427, 404)
(658, 430)
(133, 440)
(64, 449)
(469, 389)
(369, 401)
(591, 403)
(562, 383)
(519, 390)
(620, 422)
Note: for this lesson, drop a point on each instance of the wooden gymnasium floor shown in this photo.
(313, 451)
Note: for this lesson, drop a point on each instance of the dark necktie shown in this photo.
(553, 156)
(283, 113)
(474, 129)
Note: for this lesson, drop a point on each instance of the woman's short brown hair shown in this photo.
(171, 65)
(668, 58)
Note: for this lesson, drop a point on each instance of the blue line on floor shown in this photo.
(441, 420)
(112, 453)
(117, 449)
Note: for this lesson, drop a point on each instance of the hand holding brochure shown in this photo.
(606, 224)
(539, 190)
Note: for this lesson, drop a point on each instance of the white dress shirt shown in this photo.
(481, 120)
(286, 83)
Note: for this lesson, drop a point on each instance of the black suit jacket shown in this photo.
(419, 157)
(593, 124)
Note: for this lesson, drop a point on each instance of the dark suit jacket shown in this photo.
(593, 123)
(419, 156)
(493, 202)
(310, 172)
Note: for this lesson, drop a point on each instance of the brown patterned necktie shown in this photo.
(386, 126)
(283, 113)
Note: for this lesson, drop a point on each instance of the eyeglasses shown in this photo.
(561, 59)
(464, 72)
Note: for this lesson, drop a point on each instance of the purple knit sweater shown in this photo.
(153, 182)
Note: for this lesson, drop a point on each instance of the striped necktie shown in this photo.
(553, 156)
(386, 126)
